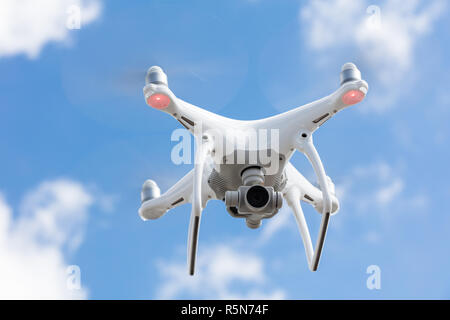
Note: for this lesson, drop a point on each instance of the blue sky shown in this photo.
(77, 141)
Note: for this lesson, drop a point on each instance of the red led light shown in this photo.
(158, 101)
(352, 97)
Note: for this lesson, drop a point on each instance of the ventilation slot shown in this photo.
(176, 202)
(308, 198)
(189, 121)
(321, 118)
(184, 125)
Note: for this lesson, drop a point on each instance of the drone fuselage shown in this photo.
(246, 164)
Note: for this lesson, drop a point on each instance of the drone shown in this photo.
(249, 171)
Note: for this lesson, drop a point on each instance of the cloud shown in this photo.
(26, 26)
(384, 35)
(222, 273)
(376, 194)
(378, 187)
(272, 226)
(386, 194)
(34, 244)
(377, 184)
(324, 17)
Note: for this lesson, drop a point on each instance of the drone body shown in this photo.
(246, 163)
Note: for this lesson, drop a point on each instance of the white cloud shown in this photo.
(373, 184)
(33, 245)
(272, 226)
(26, 26)
(378, 184)
(377, 194)
(386, 194)
(385, 36)
(372, 237)
(329, 22)
(221, 273)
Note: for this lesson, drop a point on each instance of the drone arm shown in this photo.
(159, 96)
(177, 195)
(304, 144)
(312, 115)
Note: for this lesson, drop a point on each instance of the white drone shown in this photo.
(251, 178)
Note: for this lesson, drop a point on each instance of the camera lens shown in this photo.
(257, 196)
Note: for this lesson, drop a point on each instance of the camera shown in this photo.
(253, 200)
